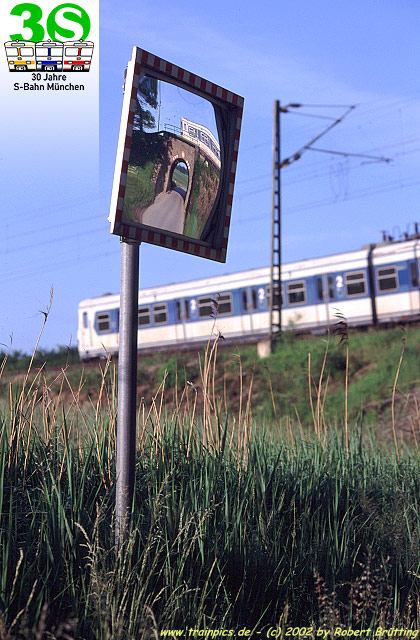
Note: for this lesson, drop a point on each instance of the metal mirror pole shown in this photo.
(127, 388)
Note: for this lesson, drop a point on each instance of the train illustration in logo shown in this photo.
(49, 55)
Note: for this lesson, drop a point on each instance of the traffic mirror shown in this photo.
(176, 159)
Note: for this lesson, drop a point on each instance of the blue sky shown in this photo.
(329, 52)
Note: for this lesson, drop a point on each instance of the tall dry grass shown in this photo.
(234, 522)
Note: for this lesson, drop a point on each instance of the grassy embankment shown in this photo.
(237, 520)
(140, 188)
(203, 193)
(278, 386)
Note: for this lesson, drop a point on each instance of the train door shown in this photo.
(182, 315)
(85, 338)
(414, 287)
(326, 296)
(249, 305)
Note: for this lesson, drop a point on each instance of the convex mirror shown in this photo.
(176, 159)
(174, 166)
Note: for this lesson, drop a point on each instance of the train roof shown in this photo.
(50, 43)
(300, 268)
(177, 289)
(83, 43)
(16, 43)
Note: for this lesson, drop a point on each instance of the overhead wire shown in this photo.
(320, 169)
(309, 172)
(43, 243)
(49, 227)
(56, 266)
(356, 195)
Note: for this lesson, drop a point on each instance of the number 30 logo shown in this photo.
(55, 29)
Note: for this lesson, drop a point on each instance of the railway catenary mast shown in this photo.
(276, 302)
(275, 273)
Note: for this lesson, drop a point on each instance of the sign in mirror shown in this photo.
(176, 159)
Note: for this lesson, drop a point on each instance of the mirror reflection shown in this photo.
(174, 166)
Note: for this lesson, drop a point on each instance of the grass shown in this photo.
(236, 520)
(373, 358)
(204, 189)
(139, 189)
(61, 357)
(221, 536)
(372, 364)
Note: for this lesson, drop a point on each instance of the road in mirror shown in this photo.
(174, 166)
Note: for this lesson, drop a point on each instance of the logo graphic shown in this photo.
(49, 40)
(47, 55)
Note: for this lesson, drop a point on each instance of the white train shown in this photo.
(203, 137)
(377, 284)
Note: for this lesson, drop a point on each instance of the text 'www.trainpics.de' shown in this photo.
(301, 632)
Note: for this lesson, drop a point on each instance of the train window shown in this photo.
(277, 301)
(224, 304)
(414, 274)
(206, 307)
(160, 314)
(355, 283)
(104, 323)
(72, 52)
(85, 320)
(296, 292)
(319, 289)
(254, 299)
(182, 310)
(144, 316)
(49, 51)
(387, 278)
(244, 300)
(331, 291)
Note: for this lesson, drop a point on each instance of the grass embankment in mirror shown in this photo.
(204, 190)
(237, 521)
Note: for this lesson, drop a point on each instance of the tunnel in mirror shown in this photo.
(179, 178)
